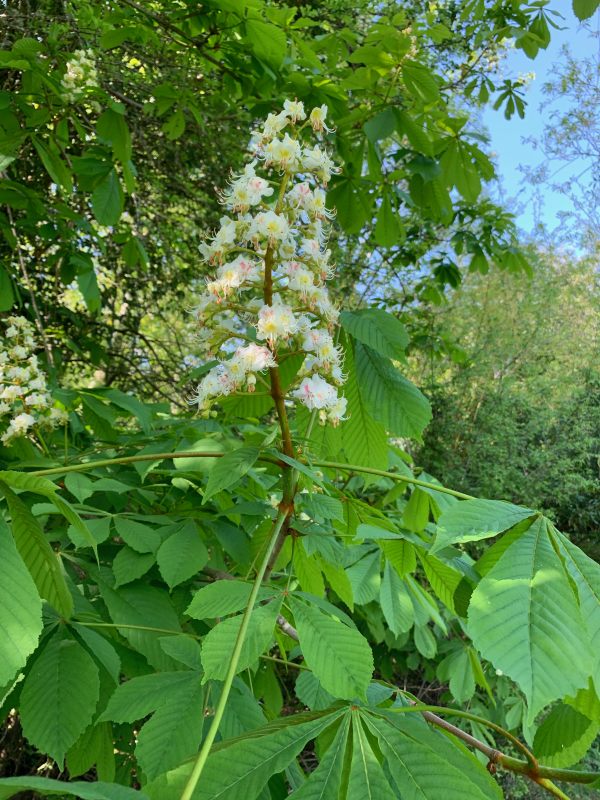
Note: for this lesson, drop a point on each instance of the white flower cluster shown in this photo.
(24, 398)
(81, 76)
(267, 298)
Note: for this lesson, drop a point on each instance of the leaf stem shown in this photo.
(394, 476)
(200, 762)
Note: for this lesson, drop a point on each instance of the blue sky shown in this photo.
(507, 137)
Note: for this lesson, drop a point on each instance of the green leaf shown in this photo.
(564, 737)
(401, 555)
(353, 202)
(339, 656)
(472, 520)
(147, 607)
(524, 618)
(364, 440)
(586, 574)
(460, 171)
(268, 42)
(442, 578)
(20, 609)
(31, 483)
(395, 602)
(113, 127)
(219, 642)
(307, 570)
(420, 82)
(144, 694)
(54, 165)
(389, 396)
(325, 781)
(389, 230)
(59, 696)
(94, 747)
(425, 641)
(229, 470)
(584, 9)
(427, 765)
(219, 599)
(83, 790)
(322, 507)
(174, 732)
(107, 199)
(182, 555)
(365, 578)
(40, 559)
(184, 649)
(243, 767)
(367, 778)
(141, 538)
(129, 566)
(7, 295)
(175, 125)
(378, 329)
(310, 692)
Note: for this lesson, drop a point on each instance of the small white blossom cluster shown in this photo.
(81, 76)
(24, 399)
(267, 297)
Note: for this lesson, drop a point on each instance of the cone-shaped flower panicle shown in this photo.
(268, 262)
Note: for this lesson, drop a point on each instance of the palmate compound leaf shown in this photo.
(59, 696)
(241, 768)
(20, 609)
(473, 520)
(564, 737)
(525, 619)
(339, 656)
(83, 790)
(39, 557)
(425, 764)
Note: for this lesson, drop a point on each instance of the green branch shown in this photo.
(200, 762)
(393, 475)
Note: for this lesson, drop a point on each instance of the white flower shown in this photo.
(276, 322)
(284, 153)
(317, 119)
(247, 190)
(18, 351)
(274, 124)
(301, 280)
(294, 109)
(336, 412)
(4, 408)
(269, 225)
(319, 163)
(222, 241)
(10, 393)
(316, 393)
(255, 358)
(22, 422)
